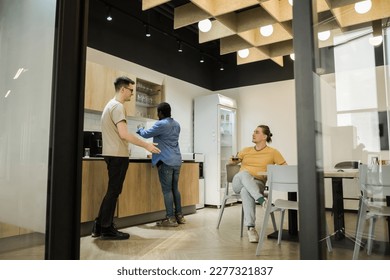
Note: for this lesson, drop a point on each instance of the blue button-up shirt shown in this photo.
(166, 133)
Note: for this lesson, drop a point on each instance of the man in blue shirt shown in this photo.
(165, 133)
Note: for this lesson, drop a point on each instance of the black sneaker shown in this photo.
(96, 229)
(111, 233)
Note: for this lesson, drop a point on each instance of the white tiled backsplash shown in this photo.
(92, 123)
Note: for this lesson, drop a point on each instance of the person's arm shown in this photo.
(155, 130)
(131, 138)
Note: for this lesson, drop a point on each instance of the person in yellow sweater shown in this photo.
(248, 182)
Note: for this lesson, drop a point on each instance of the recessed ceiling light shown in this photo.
(204, 25)
(363, 7)
(243, 53)
(324, 35)
(267, 30)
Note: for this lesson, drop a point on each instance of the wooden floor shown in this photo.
(199, 240)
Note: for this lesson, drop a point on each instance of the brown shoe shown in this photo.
(180, 219)
(168, 222)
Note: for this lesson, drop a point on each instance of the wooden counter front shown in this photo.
(141, 190)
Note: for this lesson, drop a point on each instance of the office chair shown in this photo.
(281, 178)
(375, 186)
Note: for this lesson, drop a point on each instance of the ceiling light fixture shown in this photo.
(292, 56)
(201, 59)
(324, 35)
(376, 38)
(205, 25)
(179, 47)
(290, 2)
(363, 7)
(17, 74)
(376, 41)
(221, 68)
(109, 16)
(267, 30)
(243, 53)
(147, 31)
(8, 92)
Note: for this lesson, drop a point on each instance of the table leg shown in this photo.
(338, 208)
(292, 216)
(388, 218)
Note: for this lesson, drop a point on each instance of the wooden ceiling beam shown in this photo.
(253, 18)
(188, 14)
(347, 16)
(233, 44)
(148, 4)
(254, 55)
(218, 31)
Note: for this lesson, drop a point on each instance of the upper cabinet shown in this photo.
(148, 96)
(99, 89)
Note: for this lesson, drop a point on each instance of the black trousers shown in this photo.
(117, 168)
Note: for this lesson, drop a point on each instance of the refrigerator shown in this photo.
(215, 136)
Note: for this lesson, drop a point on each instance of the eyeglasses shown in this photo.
(131, 89)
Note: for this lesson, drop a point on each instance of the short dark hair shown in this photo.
(122, 81)
(267, 132)
(164, 108)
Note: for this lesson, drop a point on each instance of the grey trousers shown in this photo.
(250, 189)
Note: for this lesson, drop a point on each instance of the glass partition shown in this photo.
(354, 86)
(26, 59)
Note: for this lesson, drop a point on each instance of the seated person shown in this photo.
(248, 182)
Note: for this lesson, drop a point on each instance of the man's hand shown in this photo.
(151, 147)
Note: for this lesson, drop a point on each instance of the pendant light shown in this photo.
(205, 25)
(267, 30)
(363, 7)
(243, 53)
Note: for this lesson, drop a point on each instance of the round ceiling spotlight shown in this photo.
(292, 56)
(363, 7)
(290, 2)
(324, 35)
(267, 30)
(204, 25)
(243, 53)
(376, 41)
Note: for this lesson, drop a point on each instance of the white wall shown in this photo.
(272, 104)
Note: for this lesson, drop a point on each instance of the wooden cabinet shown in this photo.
(141, 189)
(135, 197)
(94, 186)
(99, 89)
(148, 96)
(189, 183)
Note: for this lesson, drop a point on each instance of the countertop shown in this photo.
(131, 159)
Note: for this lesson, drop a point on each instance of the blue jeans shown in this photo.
(169, 177)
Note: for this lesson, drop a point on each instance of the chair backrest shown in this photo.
(347, 165)
(374, 180)
(282, 178)
(231, 170)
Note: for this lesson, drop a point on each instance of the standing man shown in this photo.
(116, 154)
(165, 133)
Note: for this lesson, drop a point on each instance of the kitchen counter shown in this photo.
(141, 199)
